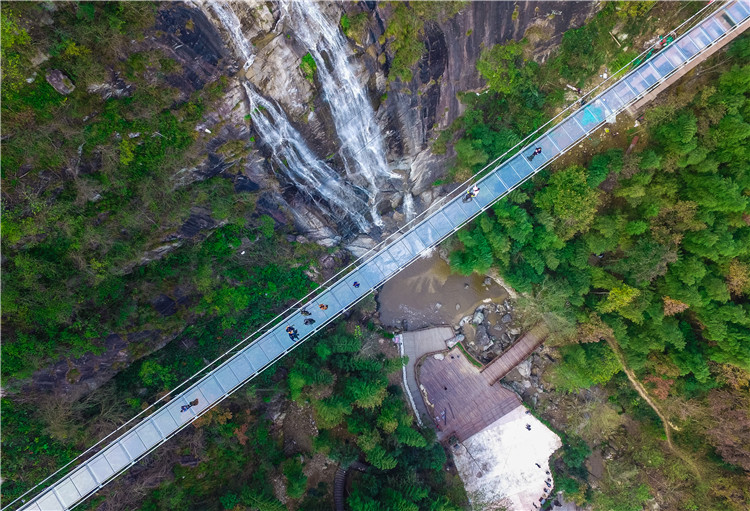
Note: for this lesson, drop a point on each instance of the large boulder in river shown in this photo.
(60, 82)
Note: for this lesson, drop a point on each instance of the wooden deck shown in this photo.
(458, 397)
(503, 364)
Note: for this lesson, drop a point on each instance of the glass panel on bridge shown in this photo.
(686, 44)
(50, 503)
(426, 234)
(649, 74)
(589, 117)
(254, 360)
(191, 395)
(175, 410)
(68, 492)
(662, 64)
(471, 207)
(211, 389)
(725, 21)
(440, 224)
(414, 243)
(573, 129)
(699, 38)
(386, 263)
(164, 421)
(372, 273)
(83, 481)
(524, 164)
(455, 213)
(508, 176)
(241, 366)
(100, 468)
(561, 137)
(609, 102)
(133, 444)
(226, 377)
(271, 346)
(149, 434)
(674, 55)
(490, 189)
(713, 28)
(364, 282)
(282, 337)
(401, 253)
(117, 457)
(738, 11)
(346, 292)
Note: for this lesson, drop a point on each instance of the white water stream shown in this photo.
(231, 22)
(362, 146)
(361, 143)
(292, 155)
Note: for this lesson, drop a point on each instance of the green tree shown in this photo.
(505, 69)
(570, 201)
(154, 374)
(583, 366)
(619, 298)
(296, 480)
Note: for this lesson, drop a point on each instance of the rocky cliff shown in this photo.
(262, 40)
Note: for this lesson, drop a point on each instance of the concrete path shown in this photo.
(416, 345)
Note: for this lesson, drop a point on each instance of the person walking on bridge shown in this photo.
(471, 193)
(185, 408)
(537, 151)
(293, 335)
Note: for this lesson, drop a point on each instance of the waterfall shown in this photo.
(362, 146)
(229, 20)
(361, 142)
(409, 211)
(292, 155)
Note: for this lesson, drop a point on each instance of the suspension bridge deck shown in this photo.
(71, 488)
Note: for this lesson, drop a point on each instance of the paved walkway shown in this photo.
(416, 345)
(459, 399)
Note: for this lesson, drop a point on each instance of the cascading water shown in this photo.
(229, 20)
(362, 146)
(292, 155)
(409, 211)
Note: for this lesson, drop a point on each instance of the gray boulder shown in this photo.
(60, 82)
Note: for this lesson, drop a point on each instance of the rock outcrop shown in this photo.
(60, 82)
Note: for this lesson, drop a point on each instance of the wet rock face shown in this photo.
(164, 305)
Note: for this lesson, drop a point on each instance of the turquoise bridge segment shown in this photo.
(161, 425)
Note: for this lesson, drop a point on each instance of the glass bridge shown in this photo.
(151, 431)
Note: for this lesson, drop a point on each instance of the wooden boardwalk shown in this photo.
(503, 364)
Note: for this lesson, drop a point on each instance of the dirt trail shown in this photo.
(668, 426)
